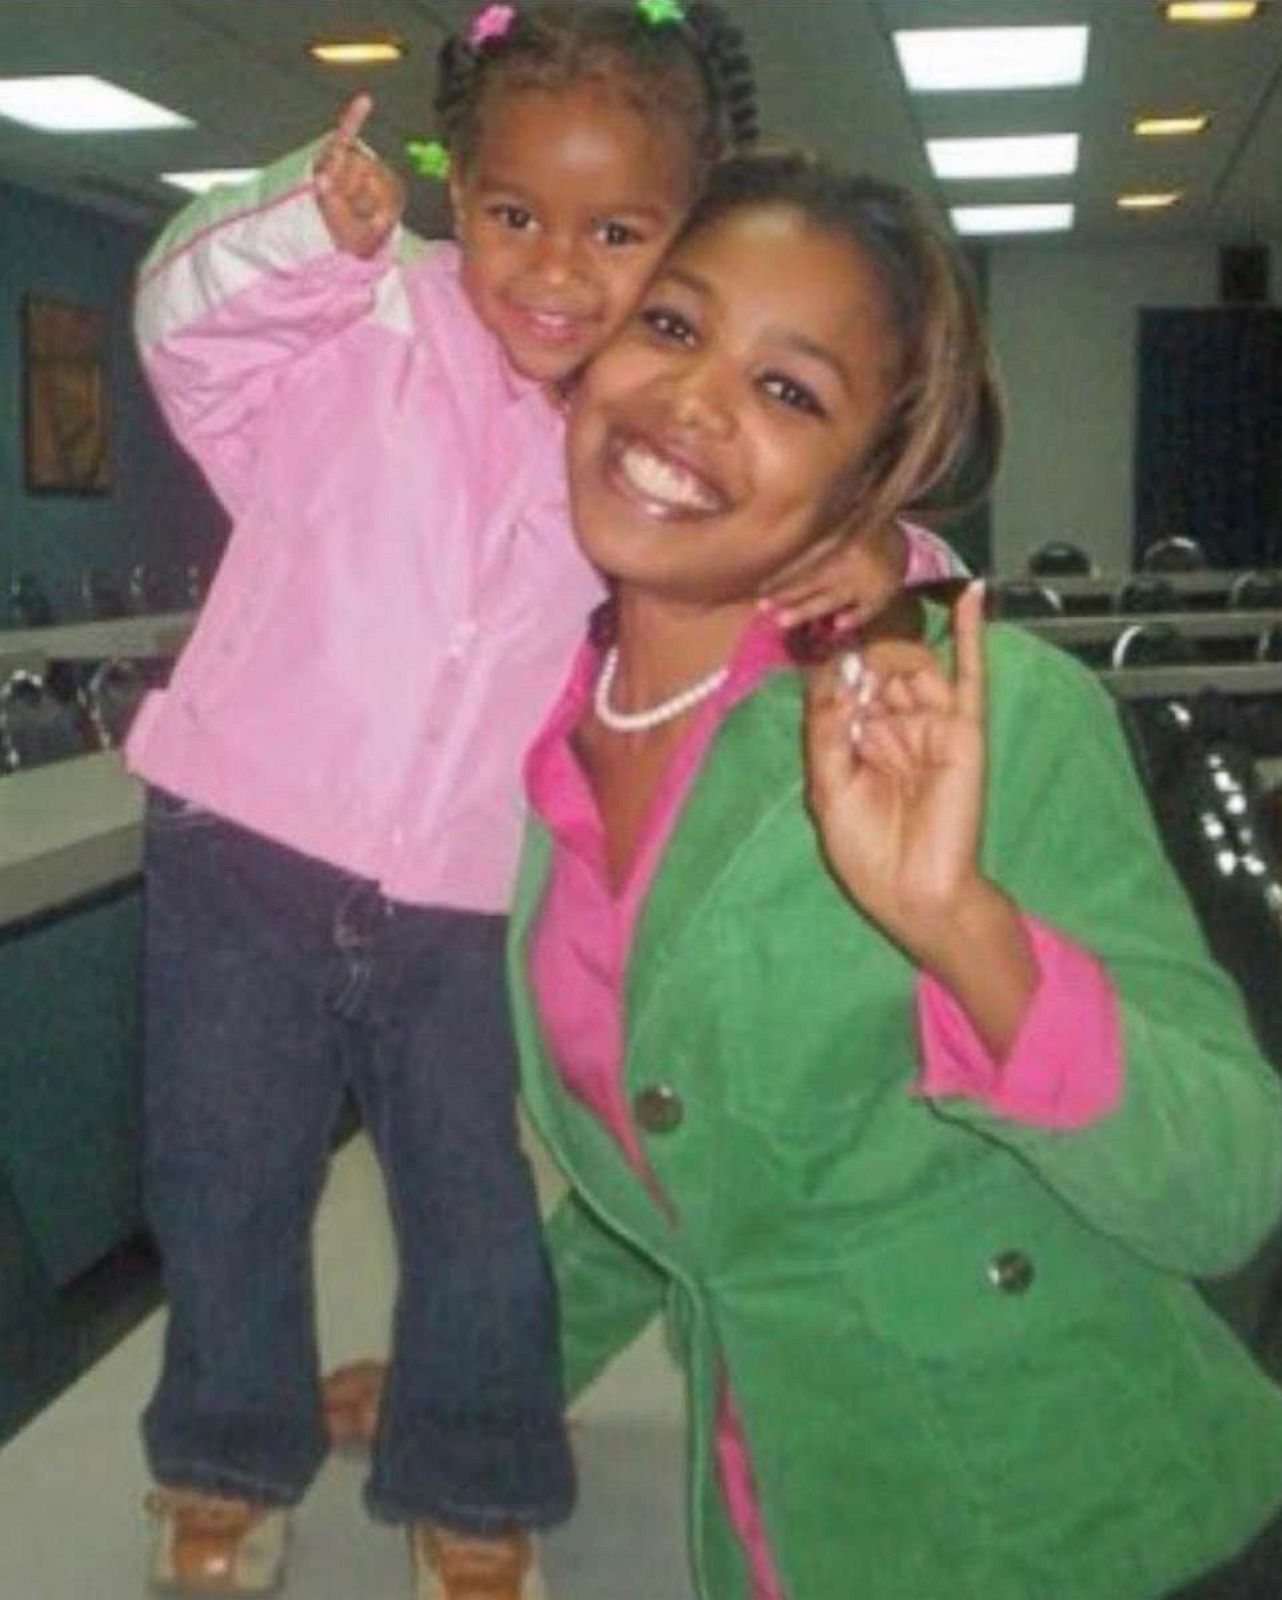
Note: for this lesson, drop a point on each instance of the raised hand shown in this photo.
(895, 777)
(360, 199)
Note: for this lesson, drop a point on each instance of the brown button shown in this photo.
(658, 1108)
(1010, 1271)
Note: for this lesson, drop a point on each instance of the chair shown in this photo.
(1059, 559)
(111, 698)
(29, 605)
(1143, 593)
(1256, 591)
(1200, 780)
(1021, 597)
(1176, 554)
(102, 595)
(148, 591)
(1153, 644)
(36, 727)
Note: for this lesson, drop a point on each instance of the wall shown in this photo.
(1064, 322)
(158, 511)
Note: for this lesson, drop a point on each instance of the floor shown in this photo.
(72, 1481)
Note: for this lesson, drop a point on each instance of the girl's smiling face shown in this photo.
(563, 212)
(719, 432)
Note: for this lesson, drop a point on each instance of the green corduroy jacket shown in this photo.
(968, 1360)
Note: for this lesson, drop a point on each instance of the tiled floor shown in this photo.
(72, 1481)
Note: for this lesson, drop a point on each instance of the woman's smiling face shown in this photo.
(713, 438)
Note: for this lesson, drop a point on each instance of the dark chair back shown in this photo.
(37, 727)
(102, 595)
(112, 696)
(1153, 644)
(1059, 559)
(1173, 555)
(1143, 593)
(1256, 591)
(148, 590)
(1020, 597)
(29, 605)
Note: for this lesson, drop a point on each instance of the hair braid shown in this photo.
(694, 74)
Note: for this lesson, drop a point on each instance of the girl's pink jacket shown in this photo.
(401, 595)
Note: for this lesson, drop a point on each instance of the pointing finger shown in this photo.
(968, 645)
(354, 116)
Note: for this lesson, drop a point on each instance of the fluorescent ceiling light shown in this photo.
(75, 104)
(992, 58)
(1055, 218)
(356, 52)
(1015, 156)
(1211, 10)
(1168, 127)
(202, 182)
(1148, 202)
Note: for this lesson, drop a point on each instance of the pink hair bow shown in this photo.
(491, 23)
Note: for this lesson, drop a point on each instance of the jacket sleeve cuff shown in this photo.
(1064, 1069)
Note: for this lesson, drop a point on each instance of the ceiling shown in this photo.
(827, 72)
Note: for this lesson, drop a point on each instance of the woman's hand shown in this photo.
(846, 577)
(895, 783)
(895, 779)
(360, 199)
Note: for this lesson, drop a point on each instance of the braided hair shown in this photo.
(691, 72)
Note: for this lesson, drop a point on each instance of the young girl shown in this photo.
(335, 804)
(899, 1076)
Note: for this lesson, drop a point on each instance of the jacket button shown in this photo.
(658, 1109)
(1011, 1272)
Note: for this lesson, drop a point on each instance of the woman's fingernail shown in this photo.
(851, 668)
(867, 688)
(856, 730)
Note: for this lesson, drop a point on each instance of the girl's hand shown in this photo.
(360, 199)
(847, 577)
(895, 778)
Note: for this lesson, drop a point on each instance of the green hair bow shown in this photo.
(429, 158)
(658, 13)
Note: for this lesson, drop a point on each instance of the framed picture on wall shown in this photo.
(67, 433)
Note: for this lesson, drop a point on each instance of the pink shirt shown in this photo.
(1063, 1070)
(401, 593)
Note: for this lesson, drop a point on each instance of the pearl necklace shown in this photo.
(652, 716)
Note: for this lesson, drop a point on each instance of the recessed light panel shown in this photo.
(946, 59)
(1211, 10)
(356, 52)
(62, 104)
(1013, 156)
(1170, 127)
(1055, 218)
(202, 182)
(1154, 201)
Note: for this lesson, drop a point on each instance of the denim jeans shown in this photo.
(274, 983)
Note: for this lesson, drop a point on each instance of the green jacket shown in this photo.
(967, 1357)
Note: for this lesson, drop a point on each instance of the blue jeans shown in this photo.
(273, 984)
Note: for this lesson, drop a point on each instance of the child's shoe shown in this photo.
(205, 1544)
(459, 1566)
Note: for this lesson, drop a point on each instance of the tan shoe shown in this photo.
(207, 1545)
(351, 1397)
(457, 1566)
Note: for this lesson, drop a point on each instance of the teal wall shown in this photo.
(159, 511)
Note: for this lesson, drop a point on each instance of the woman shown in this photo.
(903, 1082)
